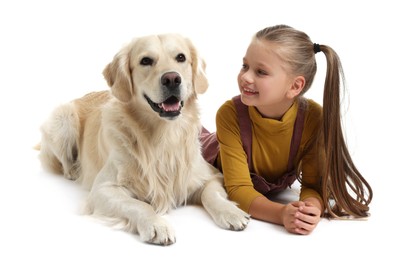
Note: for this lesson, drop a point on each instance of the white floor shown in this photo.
(40, 219)
(51, 52)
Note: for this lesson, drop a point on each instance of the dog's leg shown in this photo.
(225, 213)
(109, 199)
(58, 148)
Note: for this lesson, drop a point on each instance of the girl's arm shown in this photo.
(264, 209)
(299, 217)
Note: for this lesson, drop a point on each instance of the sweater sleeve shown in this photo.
(233, 158)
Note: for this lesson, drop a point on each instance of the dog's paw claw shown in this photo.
(158, 232)
(235, 220)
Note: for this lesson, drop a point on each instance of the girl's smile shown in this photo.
(249, 92)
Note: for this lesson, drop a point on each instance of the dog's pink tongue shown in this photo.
(171, 106)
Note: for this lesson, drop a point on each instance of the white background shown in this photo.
(54, 51)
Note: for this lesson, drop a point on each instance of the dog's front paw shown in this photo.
(231, 217)
(157, 230)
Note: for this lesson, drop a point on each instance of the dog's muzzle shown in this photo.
(171, 107)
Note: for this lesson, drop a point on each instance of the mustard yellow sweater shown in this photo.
(270, 151)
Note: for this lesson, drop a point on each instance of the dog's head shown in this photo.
(159, 71)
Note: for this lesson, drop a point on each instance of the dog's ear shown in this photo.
(199, 70)
(118, 75)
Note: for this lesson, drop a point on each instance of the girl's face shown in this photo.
(264, 82)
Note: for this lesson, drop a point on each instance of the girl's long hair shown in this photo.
(344, 190)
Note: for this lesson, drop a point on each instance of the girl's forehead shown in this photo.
(264, 46)
(262, 50)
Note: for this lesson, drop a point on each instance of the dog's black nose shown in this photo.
(171, 80)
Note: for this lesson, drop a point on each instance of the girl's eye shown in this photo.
(262, 72)
(146, 61)
(244, 67)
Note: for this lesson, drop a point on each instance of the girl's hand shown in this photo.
(289, 215)
(307, 218)
(301, 217)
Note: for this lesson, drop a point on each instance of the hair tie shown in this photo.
(316, 48)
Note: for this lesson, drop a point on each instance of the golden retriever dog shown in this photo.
(136, 146)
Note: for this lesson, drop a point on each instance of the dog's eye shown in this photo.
(180, 57)
(146, 61)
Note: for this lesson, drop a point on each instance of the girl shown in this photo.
(271, 135)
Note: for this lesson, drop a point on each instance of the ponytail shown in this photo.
(344, 190)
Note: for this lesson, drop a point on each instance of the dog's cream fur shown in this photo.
(140, 160)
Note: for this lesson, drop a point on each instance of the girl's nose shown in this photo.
(246, 76)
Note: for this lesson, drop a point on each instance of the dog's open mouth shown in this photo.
(170, 108)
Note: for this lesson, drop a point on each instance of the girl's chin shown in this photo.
(249, 99)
